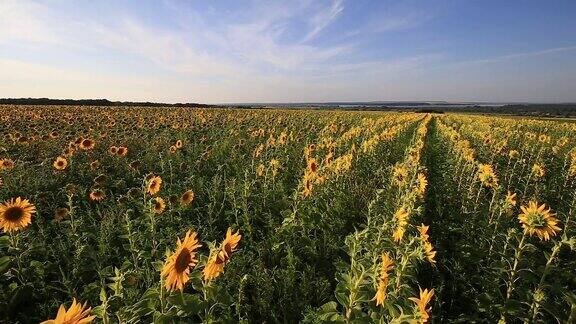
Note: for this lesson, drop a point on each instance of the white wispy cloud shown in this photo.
(323, 18)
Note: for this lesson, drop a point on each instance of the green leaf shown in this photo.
(4, 263)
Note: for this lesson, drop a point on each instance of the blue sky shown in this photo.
(289, 51)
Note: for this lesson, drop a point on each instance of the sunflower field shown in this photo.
(179, 215)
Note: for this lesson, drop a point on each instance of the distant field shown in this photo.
(225, 215)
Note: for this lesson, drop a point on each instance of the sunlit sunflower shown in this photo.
(122, 151)
(97, 195)
(179, 144)
(260, 170)
(76, 314)
(87, 144)
(6, 164)
(154, 185)
(510, 199)
(538, 170)
(421, 184)
(429, 252)
(308, 182)
(423, 313)
(61, 163)
(487, 176)
(539, 221)
(312, 165)
(113, 150)
(399, 175)
(215, 265)
(61, 213)
(158, 205)
(16, 214)
(401, 218)
(387, 265)
(187, 198)
(177, 266)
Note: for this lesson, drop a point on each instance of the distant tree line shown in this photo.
(93, 102)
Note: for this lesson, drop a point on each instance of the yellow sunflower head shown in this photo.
(16, 214)
(539, 221)
(154, 185)
(158, 205)
(76, 314)
(177, 267)
(187, 198)
(215, 265)
(87, 144)
(61, 163)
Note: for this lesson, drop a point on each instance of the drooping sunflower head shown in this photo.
(187, 198)
(16, 214)
(61, 213)
(97, 195)
(76, 314)
(387, 265)
(154, 185)
(177, 267)
(215, 265)
(60, 163)
(538, 221)
(422, 303)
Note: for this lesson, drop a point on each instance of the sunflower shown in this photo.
(113, 150)
(122, 151)
(308, 184)
(312, 165)
(538, 170)
(94, 165)
(97, 195)
(260, 170)
(187, 198)
(429, 252)
(158, 205)
(61, 163)
(539, 221)
(87, 144)
(16, 214)
(275, 165)
(61, 213)
(177, 266)
(387, 265)
(421, 184)
(399, 175)
(421, 303)
(401, 217)
(76, 314)
(216, 262)
(6, 164)
(510, 199)
(487, 176)
(173, 149)
(154, 185)
(179, 144)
